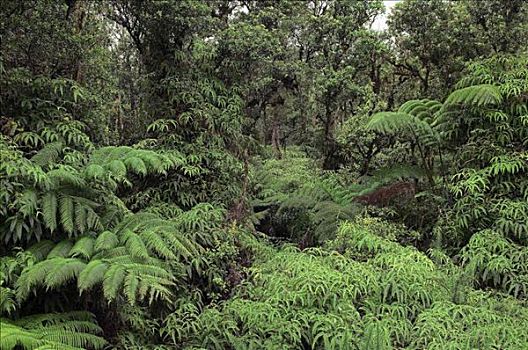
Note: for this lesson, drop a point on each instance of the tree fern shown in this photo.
(92, 274)
(106, 240)
(49, 210)
(111, 259)
(476, 95)
(61, 249)
(76, 330)
(67, 213)
(415, 123)
(83, 247)
(62, 271)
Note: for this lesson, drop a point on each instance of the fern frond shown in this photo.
(41, 249)
(49, 154)
(94, 171)
(136, 165)
(476, 95)
(84, 247)
(92, 274)
(135, 245)
(74, 330)
(155, 242)
(131, 287)
(422, 109)
(8, 302)
(33, 276)
(62, 271)
(390, 122)
(117, 168)
(106, 240)
(61, 249)
(49, 210)
(80, 217)
(113, 281)
(67, 213)
(66, 175)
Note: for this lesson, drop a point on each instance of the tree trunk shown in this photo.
(275, 138)
(330, 161)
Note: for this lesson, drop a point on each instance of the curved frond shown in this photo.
(83, 247)
(476, 95)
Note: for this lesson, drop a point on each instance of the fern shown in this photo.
(75, 330)
(61, 249)
(389, 122)
(61, 271)
(113, 280)
(94, 171)
(49, 210)
(84, 247)
(8, 302)
(92, 275)
(135, 244)
(377, 336)
(106, 240)
(476, 95)
(119, 261)
(67, 213)
(49, 154)
(371, 289)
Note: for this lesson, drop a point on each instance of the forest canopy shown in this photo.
(273, 174)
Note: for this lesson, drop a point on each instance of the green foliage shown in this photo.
(476, 95)
(140, 259)
(496, 261)
(308, 205)
(73, 330)
(68, 212)
(370, 293)
(488, 184)
(130, 188)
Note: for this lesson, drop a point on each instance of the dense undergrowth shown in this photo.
(263, 175)
(362, 290)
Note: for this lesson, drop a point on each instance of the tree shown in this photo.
(52, 65)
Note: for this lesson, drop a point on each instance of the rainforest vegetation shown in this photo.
(272, 174)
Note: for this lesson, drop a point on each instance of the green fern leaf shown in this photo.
(135, 245)
(131, 287)
(477, 95)
(63, 270)
(91, 275)
(68, 331)
(84, 247)
(106, 240)
(136, 165)
(80, 217)
(49, 154)
(390, 122)
(49, 210)
(67, 213)
(41, 249)
(61, 249)
(8, 302)
(113, 280)
(94, 171)
(117, 168)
